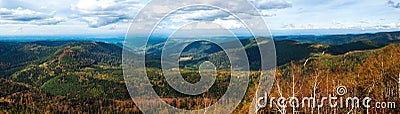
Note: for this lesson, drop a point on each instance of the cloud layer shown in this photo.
(97, 13)
(26, 16)
(393, 4)
(115, 15)
(272, 4)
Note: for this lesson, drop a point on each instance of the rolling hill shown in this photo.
(343, 39)
(84, 76)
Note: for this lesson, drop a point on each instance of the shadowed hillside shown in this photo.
(83, 76)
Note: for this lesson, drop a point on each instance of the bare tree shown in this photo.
(282, 110)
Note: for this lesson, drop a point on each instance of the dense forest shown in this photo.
(85, 76)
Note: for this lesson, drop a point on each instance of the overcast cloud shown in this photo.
(26, 16)
(394, 4)
(113, 16)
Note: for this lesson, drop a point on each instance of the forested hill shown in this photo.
(17, 56)
(85, 76)
(71, 79)
(343, 39)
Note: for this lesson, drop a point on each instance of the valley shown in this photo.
(87, 76)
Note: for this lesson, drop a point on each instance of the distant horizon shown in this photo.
(295, 32)
(118, 38)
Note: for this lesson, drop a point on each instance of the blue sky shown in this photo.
(112, 17)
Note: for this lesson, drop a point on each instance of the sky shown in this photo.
(113, 17)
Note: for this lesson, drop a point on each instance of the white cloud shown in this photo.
(237, 8)
(200, 26)
(272, 4)
(267, 13)
(204, 17)
(387, 26)
(394, 4)
(198, 15)
(229, 24)
(99, 21)
(21, 14)
(27, 16)
(84, 15)
(97, 13)
(94, 5)
(49, 21)
(288, 26)
(210, 14)
(216, 24)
